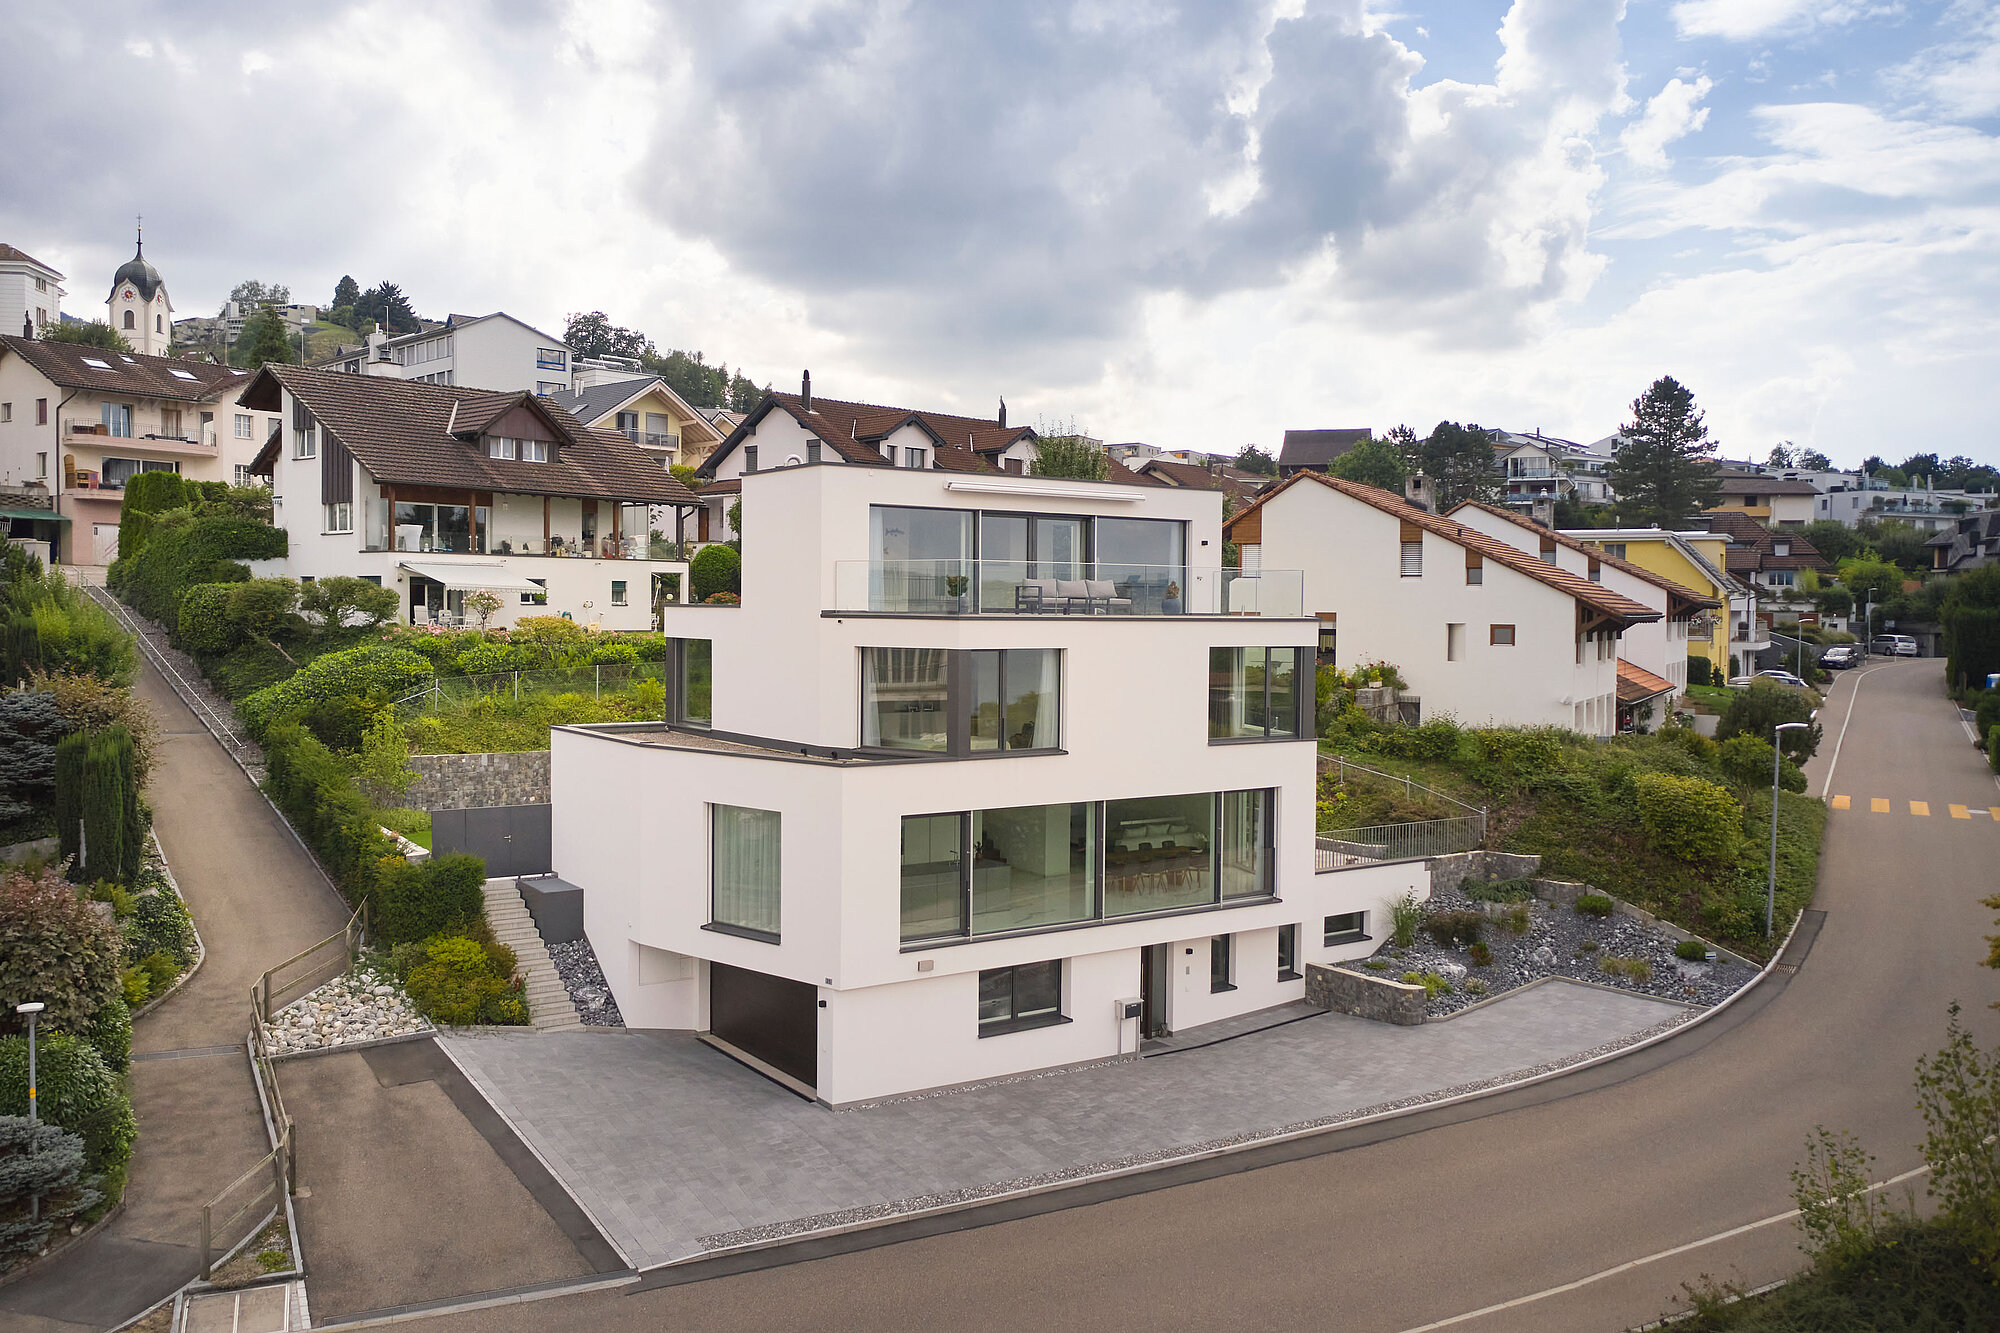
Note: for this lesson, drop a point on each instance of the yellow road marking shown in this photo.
(1841, 802)
(1920, 808)
(1994, 810)
(1878, 805)
(1960, 812)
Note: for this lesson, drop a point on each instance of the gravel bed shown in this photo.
(1560, 942)
(363, 1005)
(576, 964)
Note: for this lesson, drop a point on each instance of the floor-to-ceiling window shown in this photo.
(1033, 865)
(1254, 693)
(921, 557)
(745, 888)
(961, 702)
(905, 698)
(1158, 853)
(1145, 557)
(933, 876)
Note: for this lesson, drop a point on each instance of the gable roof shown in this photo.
(1695, 600)
(1596, 596)
(1751, 544)
(1317, 448)
(1243, 485)
(1742, 483)
(405, 432)
(1683, 542)
(593, 404)
(1636, 684)
(68, 364)
(10, 253)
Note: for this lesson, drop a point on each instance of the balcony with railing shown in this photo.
(97, 435)
(648, 439)
(1018, 587)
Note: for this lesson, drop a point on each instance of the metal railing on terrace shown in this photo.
(1056, 587)
(596, 681)
(1337, 849)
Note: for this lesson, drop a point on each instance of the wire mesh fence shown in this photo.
(594, 682)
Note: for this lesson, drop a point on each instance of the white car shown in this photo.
(1781, 677)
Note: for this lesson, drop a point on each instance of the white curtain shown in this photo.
(746, 850)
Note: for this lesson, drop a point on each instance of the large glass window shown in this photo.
(430, 527)
(1033, 865)
(696, 676)
(1246, 853)
(1253, 693)
(921, 555)
(933, 876)
(1028, 995)
(904, 697)
(1158, 853)
(1013, 705)
(1146, 558)
(745, 871)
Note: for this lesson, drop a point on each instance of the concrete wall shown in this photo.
(478, 781)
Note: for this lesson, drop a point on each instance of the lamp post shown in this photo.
(1777, 758)
(28, 1011)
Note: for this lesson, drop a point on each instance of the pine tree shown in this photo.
(1663, 470)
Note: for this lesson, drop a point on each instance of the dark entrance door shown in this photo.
(1154, 960)
(772, 1018)
(514, 839)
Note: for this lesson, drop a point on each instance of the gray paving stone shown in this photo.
(668, 1142)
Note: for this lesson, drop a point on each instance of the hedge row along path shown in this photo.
(258, 898)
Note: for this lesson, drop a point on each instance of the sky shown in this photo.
(1195, 225)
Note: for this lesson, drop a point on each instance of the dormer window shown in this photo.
(525, 451)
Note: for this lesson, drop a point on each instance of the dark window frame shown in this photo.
(1288, 953)
(1221, 964)
(731, 927)
(1000, 1027)
(1493, 639)
(1305, 663)
(676, 683)
(958, 701)
(1352, 929)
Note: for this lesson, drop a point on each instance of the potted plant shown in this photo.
(955, 586)
(1170, 605)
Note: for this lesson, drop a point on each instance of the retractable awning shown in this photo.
(35, 515)
(497, 577)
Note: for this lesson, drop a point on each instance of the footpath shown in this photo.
(258, 898)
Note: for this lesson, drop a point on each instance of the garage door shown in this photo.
(772, 1018)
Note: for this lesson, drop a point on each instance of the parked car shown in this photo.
(1895, 645)
(1780, 677)
(1839, 657)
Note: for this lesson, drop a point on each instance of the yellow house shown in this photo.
(1776, 502)
(1695, 560)
(644, 410)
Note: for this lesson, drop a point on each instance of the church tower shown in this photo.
(138, 307)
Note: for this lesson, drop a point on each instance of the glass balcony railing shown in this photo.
(1019, 587)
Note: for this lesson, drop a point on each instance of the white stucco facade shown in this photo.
(892, 1012)
(31, 292)
(493, 351)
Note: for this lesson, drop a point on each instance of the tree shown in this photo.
(688, 375)
(41, 1168)
(1663, 470)
(30, 725)
(1252, 459)
(1070, 455)
(1372, 463)
(1898, 542)
(264, 339)
(1970, 617)
(1756, 711)
(346, 292)
(254, 293)
(334, 602)
(56, 948)
(386, 298)
(744, 393)
(484, 603)
(1812, 460)
(1833, 539)
(1782, 455)
(595, 335)
(94, 333)
(1922, 467)
(1867, 577)
(1459, 462)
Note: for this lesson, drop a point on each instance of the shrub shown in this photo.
(50, 626)
(1694, 951)
(1482, 954)
(70, 753)
(54, 948)
(1517, 919)
(414, 902)
(161, 970)
(1638, 969)
(1986, 712)
(1518, 752)
(548, 641)
(136, 985)
(160, 924)
(75, 1090)
(43, 1162)
(1433, 984)
(1455, 927)
(337, 694)
(202, 550)
(113, 821)
(1593, 904)
(342, 600)
(308, 782)
(1436, 739)
(263, 608)
(1700, 671)
(1689, 741)
(111, 1033)
(1758, 709)
(1993, 748)
(715, 569)
(488, 657)
(460, 983)
(1499, 891)
(1693, 821)
(1746, 761)
(1405, 915)
(88, 703)
(31, 725)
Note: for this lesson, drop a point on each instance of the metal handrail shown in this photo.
(1341, 763)
(159, 660)
(1337, 849)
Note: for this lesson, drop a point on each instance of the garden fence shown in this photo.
(1342, 848)
(1340, 766)
(309, 969)
(247, 1203)
(596, 681)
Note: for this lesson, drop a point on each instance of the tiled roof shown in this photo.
(397, 429)
(1195, 477)
(1636, 684)
(1751, 543)
(8, 252)
(68, 364)
(1661, 581)
(591, 405)
(1594, 595)
(1742, 484)
(1317, 448)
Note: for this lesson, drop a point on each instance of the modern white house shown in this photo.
(1649, 651)
(987, 774)
(493, 351)
(1538, 466)
(77, 423)
(31, 292)
(1481, 631)
(439, 491)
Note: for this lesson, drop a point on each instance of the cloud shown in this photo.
(1673, 113)
(1959, 77)
(1745, 20)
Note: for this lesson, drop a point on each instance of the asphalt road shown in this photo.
(1528, 1194)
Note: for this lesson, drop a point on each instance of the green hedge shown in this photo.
(1972, 645)
(336, 695)
(203, 626)
(75, 1089)
(205, 550)
(415, 902)
(308, 782)
(1691, 820)
(715, 569)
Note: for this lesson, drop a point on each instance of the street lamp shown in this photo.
(1777, 758)
(28, 1011)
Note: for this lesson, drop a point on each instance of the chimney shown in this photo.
(1417, 490)
(1542, 508)
(1003, 413)
(28, 331)
(806, 391)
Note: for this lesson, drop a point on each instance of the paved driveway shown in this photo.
(677, 1150)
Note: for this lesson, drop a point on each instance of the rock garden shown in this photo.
(1479, 941)
(362, 1005)
(576, 964)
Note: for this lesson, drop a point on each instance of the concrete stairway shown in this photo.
(549, 1007)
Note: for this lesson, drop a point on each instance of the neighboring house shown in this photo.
(787, 430)
(642, 408)
(77, 422)
(1482, 631)
(1762, 557)
(901, 836)
(493, 351)
(1924, 509)
(31, 292)
(1215, 475)
(1771, 500)
(1303, 449)
(225, 329)
(1972, 542)
(1542, 466)
(1657, 648)
(1695, 560)
(438, 491)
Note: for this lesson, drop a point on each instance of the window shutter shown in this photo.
(1413, 559)
(1252, 557)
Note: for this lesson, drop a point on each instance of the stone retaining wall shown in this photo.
(479, 781)
(1364, 996)
(1449, 872)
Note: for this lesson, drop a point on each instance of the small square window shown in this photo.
(1012, 999)
(534, 451)
(1501, 636)
(500, 447)
(1346, 928)
(1475, 575)
(618, 592)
